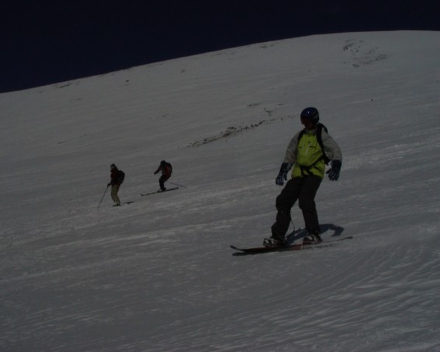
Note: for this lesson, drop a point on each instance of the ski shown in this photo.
(292, 247)
(159, 191)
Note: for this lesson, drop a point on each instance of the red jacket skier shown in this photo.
(166, 170)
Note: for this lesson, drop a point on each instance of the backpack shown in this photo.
(319, 128)
(121, 176)
(171, 168)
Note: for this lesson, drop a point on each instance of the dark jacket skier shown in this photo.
(307, 156)
(166, 170)
(115, 183)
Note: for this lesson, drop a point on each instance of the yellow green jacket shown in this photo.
(306, 154)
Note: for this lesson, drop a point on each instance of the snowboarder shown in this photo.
(166, 170)
(308, 152)
(115, 182)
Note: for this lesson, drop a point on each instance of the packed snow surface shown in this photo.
(159, 274)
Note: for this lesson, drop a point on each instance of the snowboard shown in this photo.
(291, 247)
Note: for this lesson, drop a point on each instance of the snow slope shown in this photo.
(158, 274)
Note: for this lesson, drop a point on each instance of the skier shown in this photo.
(307, 152)
(115, 182)
(166, 170)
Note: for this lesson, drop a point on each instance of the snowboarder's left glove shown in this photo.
(333, 173)
(282, 175)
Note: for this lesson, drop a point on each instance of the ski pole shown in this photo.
(176, 184)
(103, 196)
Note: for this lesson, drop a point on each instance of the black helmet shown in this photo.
(311, 114)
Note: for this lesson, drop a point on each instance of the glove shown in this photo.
(282, 175)
(333, 173)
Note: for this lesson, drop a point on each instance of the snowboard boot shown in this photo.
(312, 238)
(275, 241)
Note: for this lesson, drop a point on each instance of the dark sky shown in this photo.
(45, 42)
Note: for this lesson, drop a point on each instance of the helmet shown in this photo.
(311, 114)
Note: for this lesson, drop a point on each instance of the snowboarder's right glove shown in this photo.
(282, 175)
(333, 173)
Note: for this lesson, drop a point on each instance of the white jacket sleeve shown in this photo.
(290, 157)
(331, 148)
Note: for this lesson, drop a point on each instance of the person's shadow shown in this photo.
(327, 230)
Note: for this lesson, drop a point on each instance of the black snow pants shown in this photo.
(162, 180)
(304, 190)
